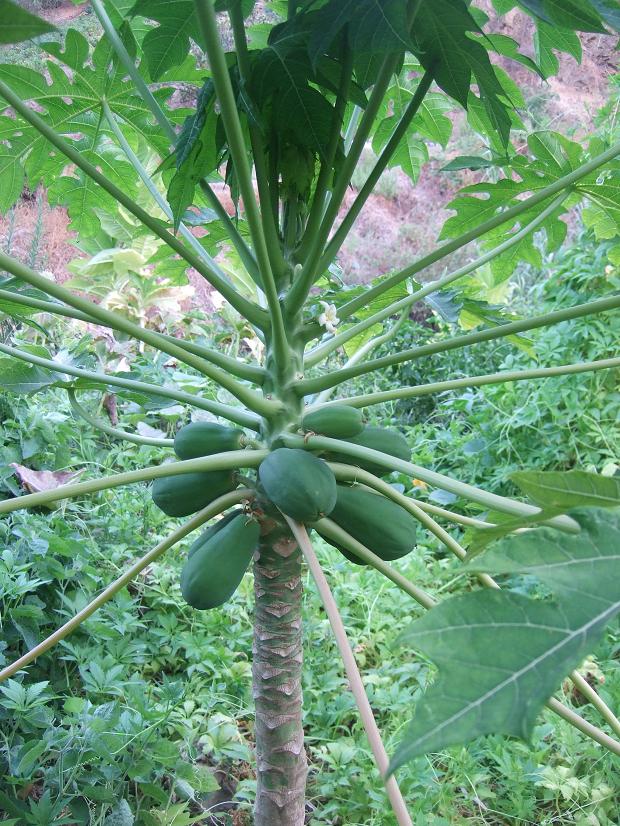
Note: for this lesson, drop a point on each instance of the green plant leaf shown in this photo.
(167, 45)
(17, 24)
(512, 650)
(568, 489)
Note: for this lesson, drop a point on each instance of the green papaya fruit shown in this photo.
(212, 574)
(204, 438)
(212, 530)
(189, 492)
(383, 439)
(339, 421)
(380, 524)
(298, 483)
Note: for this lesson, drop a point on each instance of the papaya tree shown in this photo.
(278, 124)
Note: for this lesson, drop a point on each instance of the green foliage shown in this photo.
(17, 24)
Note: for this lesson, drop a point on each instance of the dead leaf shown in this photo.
(35, 481)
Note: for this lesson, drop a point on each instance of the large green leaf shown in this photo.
(167, 45)
(501, 655)
(568, 489)
(17, 24)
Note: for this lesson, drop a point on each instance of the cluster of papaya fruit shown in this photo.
(290, 481)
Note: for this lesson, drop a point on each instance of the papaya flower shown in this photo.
(329, 317)
(418, 483)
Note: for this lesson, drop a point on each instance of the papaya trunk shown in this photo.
(277, 663)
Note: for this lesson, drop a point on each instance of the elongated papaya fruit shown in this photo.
(298, 483)
(338, 421)
(213, 530)
(204, 438)
(188, 493)
(377, 438)
(381, 525)
(212, 574)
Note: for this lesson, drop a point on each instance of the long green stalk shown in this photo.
(115, 432)
(251, 311)
(477, 381)
(301, 287)
(155, 193)
(362, 353)
(380, 166)
(353, 675)
(167, 128)
(237, 149)
(565, 182)
(217, 506)
(232, 414)
(323, 350)
(232, 460)
(431, 477)
(342, 472)
(249, 372)
(249, 397)
(602, 305)
(270, 229)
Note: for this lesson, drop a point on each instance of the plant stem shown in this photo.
(334, 533)
(250, 398)
(317, 208)
(602, 305)
(249, 372)
(442, 251)
(361, 354)
(353, 675)
(477, 381)
(270, 229)
(155, 193)
(232, 414)
(325, 349)
(237, 149)
(218, 461)
(115, 432)
(431, 477)
(281, 764)
(301, 287)
(167, 128)
(382, 162)
(213, 509)
(251, 311)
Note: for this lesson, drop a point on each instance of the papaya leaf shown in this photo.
(22, 378)
(17, 24)
(167, 45)
(568, 489)
(512, 650)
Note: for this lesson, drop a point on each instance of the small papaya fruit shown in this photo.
(383, 439)
(339, 421)
(380, 524)
(298, 483)
(204, 438)
(187, 493)
(212, 530)
(212, 574)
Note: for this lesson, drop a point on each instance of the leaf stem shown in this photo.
(236, 145)
(477, 381)
(115, 432)
(352, 672)
(167, 128)
(382, 162)
(602, 305)
(250, 398)
(510, 214)
(249, 372)
(232, 414)
(301, 287)
(251, 311)
(431, 477)
(325, 349)
(213, 509)
(230, 460)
